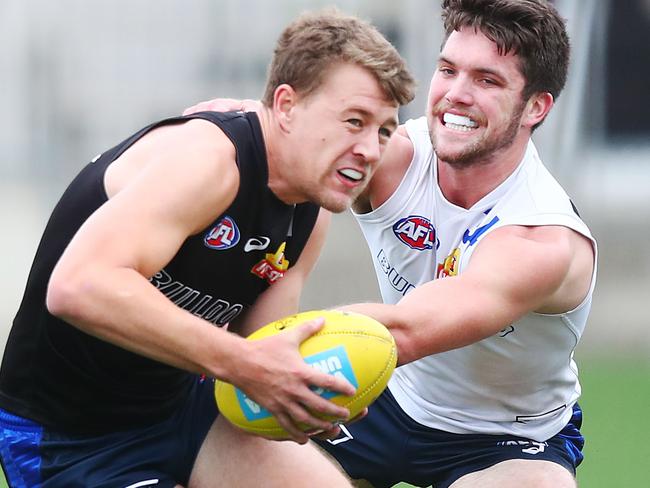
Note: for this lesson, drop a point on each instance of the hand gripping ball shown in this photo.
(351, 345)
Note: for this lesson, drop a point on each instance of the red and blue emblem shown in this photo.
(222, 236)
(416, 232)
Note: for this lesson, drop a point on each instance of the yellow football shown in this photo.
(351, 345)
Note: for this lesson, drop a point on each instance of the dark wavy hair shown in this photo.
(531, 29)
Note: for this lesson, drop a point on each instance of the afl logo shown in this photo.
(416, 232)
(222, 236)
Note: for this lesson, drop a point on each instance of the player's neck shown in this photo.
(278, 157)
(465, 185)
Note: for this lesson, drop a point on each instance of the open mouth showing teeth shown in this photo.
(351, 174)
(458, 122)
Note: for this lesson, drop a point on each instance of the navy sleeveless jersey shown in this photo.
(65, 379)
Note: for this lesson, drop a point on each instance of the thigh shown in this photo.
(387, 447)
(237, 459)
(508, 461)
(516, 473)
(376, 448)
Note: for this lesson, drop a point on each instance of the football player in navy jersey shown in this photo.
(189, 224)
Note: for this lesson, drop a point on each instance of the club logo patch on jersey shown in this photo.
(416, 232)
(222, 236)
(273, 266)
(449, 267)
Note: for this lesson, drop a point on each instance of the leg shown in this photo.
(357, 483)
(516, 473)
(231, 457)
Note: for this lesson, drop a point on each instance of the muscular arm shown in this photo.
(514, 270)
(168, 186)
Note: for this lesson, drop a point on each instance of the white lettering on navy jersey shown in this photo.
(215, 310)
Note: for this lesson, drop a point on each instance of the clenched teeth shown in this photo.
(352, 174)
(458, 122)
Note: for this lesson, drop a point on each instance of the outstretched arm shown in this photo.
(514, 271)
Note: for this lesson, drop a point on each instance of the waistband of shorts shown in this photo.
(11, 420)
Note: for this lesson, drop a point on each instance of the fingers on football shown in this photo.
(295, 433)
(307, 329)
(330, 382)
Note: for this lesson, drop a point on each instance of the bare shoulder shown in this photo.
(394, 163)
(190, 166)
(555, 243)
(558, 260)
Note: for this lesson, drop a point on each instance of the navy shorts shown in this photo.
(387, 447)
(160, 455)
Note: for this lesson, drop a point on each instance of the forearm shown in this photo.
(123, 308)
(439, 316)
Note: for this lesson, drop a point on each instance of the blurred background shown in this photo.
(78, 76)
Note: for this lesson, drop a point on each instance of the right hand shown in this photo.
(225, 105)
(274, 374)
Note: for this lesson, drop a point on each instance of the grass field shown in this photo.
(616, 406)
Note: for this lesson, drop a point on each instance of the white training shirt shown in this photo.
(522, 381)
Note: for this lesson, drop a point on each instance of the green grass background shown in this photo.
(616, 422)
(616, 405)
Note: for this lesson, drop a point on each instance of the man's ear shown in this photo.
(284, 103)
(537, 108)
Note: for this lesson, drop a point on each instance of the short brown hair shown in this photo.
(317, 41)
(531, 29)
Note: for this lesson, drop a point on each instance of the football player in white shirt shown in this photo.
(485, 268)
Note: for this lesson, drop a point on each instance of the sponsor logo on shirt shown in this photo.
(257, 243)
(273, 266)
(416, 232)
(394, 277)
(222, 236)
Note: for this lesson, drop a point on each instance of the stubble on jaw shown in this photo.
(479, 151)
